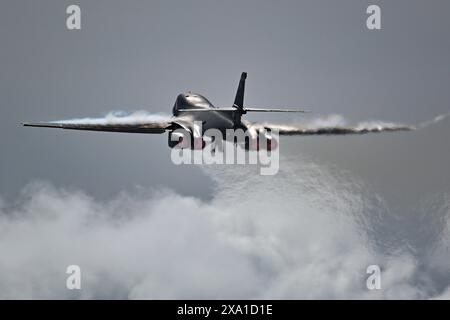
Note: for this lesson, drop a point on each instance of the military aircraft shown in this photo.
(191, 109)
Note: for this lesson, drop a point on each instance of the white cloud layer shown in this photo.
(308, 232)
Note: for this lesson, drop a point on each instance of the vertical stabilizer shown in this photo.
(239, 100)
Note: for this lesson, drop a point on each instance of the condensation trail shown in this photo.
(336, 125)
(433, 121)
(331, 125)
(137, 117)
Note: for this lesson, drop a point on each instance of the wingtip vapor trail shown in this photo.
(336, 125)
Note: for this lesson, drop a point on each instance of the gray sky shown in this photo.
(134, 55)
(140, 55)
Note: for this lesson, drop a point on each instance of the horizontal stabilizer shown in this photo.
(275, 110)
(243, 110)
(225, 109)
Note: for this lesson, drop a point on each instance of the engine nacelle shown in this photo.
(184, 140)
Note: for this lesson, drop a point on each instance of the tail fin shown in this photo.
(239, 100)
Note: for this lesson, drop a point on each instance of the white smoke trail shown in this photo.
(330, 125)
(433, 121)
(337, 125)
(119, 117)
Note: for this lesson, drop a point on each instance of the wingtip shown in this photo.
(29, 124)
(42, 124)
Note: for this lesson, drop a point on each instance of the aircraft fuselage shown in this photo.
(217, 120)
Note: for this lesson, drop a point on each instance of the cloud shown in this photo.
(308, 232)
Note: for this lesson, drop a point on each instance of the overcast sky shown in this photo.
(138, 55)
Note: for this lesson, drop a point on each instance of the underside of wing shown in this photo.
(129, 128)
(135, 123)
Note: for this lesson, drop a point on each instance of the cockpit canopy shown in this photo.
(190, 100)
